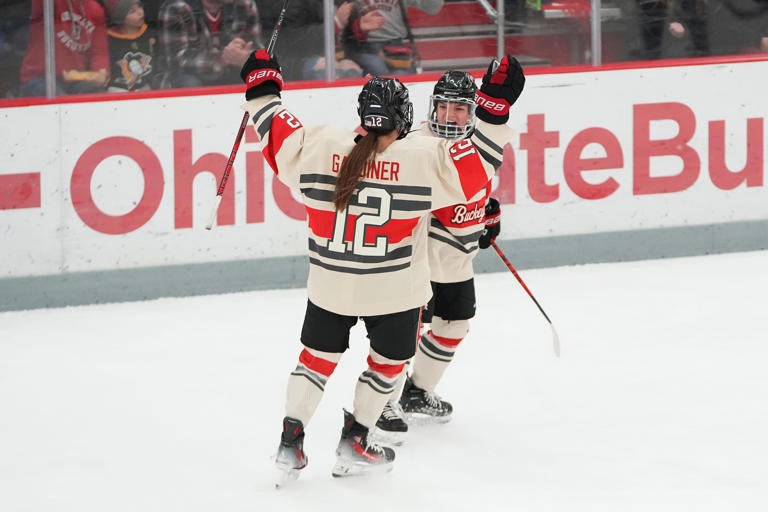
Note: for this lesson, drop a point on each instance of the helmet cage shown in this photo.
(449, 129)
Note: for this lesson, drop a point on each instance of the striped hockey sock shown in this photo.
(374, 387)
(436, 350)
(307, 383)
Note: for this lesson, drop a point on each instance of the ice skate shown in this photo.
(357, 455)
(422, 407)
(391, 427)
(290, 459)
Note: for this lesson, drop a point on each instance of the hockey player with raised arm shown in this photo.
(364, 198)
(455, 233)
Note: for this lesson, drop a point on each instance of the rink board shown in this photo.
(107, 200)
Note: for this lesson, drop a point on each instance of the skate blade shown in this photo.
(349, 468)
(285, 476)
(420, 419)
(388, 438)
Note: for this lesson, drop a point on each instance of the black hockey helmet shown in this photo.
(456, 84)
(384, 105)
(457, 88)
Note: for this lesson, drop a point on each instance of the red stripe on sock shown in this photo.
(446, 342)
(317, 364)
(388, 370)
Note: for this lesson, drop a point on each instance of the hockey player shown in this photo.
(364, 198)
(455, 233)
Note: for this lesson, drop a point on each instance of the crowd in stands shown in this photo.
(133, 45)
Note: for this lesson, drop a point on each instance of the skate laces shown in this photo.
(370, 446)
(392, 411)
(432, 399)
(374, 449)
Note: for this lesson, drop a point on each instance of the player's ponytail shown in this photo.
(352, 169)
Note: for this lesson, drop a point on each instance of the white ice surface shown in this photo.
(659, 403)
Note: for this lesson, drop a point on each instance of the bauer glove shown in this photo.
(261, 74)
(492, 223)
(502, 85)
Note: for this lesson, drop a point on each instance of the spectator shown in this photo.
(691, 16)
(82, 59)
(764, 41)
(269, 10)
(377, 35)
(741, 26)
(151, 11)
(303, 36)
(131, 48)
(205, 42)
(515, 13)
(14, 33)
(763, 44)
(687, 16)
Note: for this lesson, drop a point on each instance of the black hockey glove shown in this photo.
(261, 74)
(492, 223)
(501, 87)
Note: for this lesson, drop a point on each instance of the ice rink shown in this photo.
(659, 402)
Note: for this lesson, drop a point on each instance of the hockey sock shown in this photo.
(400, 383)
(436, 350)
(307, 383)
(374, 387)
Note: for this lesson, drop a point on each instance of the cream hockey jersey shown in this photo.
(454, 231)
(371, 259)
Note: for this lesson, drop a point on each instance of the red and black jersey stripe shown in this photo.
(408, 204)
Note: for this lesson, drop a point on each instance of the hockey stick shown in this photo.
(555, 337)
(241, 131)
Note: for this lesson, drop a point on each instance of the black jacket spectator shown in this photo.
(300, 46)
(199, 47)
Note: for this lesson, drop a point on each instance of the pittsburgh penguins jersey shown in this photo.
(371, 258)
(454, 231)
(131, 60)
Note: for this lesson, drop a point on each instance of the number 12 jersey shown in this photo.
(371, 258)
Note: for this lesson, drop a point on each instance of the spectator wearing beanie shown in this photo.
(131, 49)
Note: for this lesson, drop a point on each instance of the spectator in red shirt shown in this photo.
(82, 58)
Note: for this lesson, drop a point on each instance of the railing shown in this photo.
(460, 34)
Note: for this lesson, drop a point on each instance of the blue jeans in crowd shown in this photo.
(368, 57)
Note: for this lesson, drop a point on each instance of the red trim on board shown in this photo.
(347, 82)
(20, 191)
